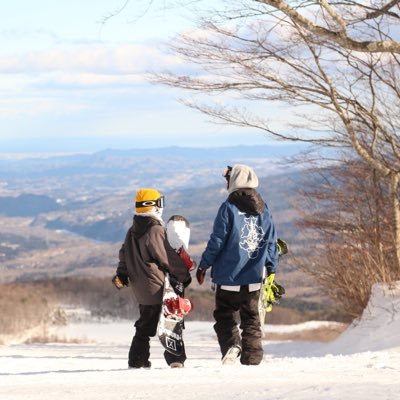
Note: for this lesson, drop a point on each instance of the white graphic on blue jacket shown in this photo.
(253, 237)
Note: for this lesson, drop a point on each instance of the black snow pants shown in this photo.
(146, 327)
(227, 303)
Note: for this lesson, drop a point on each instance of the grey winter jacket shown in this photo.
(144, 257)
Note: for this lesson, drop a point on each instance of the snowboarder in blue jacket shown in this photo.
(241, 251)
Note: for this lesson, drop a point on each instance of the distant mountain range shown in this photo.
(66, 216)
(92, 194)
(106, 218)
(69, 214)
(140, 161)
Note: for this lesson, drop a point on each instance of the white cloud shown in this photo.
(34, 106)
(87, 80)
(121, 59)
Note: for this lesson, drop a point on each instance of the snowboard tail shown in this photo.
(170, 335)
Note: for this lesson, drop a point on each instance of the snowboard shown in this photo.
(265, 302)
(171, 320)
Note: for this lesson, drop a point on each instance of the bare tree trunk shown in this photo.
(394, 185)
(378, 205)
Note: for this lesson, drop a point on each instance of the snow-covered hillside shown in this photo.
(362, 364)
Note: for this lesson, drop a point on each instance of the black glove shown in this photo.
(176, 285)
(187, 282)
(200, 275)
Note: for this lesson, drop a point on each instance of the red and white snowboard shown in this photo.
(175, 307)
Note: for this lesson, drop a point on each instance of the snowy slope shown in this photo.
(379, 326)
(363, 364)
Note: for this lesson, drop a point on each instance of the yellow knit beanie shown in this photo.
(146, 195)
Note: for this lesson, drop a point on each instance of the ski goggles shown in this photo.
(227, 172)
(151, 203)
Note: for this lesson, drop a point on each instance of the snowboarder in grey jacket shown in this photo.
(241, 250)
(144, 258)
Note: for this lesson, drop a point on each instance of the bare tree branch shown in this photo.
(338, 37)
(384, 10)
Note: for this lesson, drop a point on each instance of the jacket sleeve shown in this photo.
(165, 256)
(122, 270)
(272, 258)
(221, 230)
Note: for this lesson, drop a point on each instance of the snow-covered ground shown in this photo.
(362, 364)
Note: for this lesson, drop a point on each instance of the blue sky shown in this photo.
(70, 83)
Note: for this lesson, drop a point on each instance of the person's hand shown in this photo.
(176, 285)
(119, 282)
(200, 275)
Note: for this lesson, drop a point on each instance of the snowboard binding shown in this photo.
(177, 307)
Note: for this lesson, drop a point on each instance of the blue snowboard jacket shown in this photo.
(240, 246)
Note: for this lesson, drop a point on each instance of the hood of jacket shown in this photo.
(242, 177)
(141, 224)
(248, 201)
